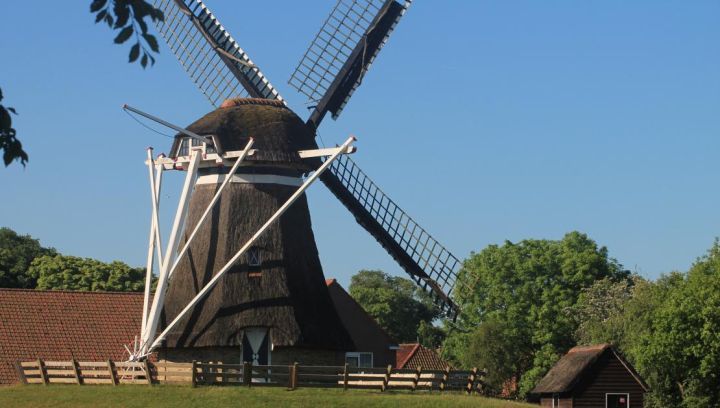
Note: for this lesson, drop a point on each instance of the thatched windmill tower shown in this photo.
(220, 295)
(276, 295)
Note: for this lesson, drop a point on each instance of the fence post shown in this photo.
(43, 372)
(193, 374)
(417, 378)
(445, 377)
(21, 372)
(247, 373)
(76, 370)
(148, 374)
(111, 371)
(346, 377)
(481, 382)
(292, 376)
(386, 380)
(471, 380)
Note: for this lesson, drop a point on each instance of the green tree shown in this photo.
(680, 356)
(397, 304)
(429, 335)
(125, 16)
(525, 289)
(62, 272)
(16, 254)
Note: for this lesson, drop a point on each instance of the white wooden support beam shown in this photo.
(154, 239)
(188, 186)
(249, 243)
(210, 206)
(212, 159)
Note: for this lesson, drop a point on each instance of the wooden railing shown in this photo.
(290, 376)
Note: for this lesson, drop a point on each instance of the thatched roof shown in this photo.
(566, 373)
(287, 293)
(278, 132)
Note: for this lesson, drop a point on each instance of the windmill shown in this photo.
(275, 148)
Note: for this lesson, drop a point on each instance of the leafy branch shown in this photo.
(8, 142)
(128, 17)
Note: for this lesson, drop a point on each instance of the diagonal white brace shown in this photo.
(210, 206)
(154, 239)
(178, 223)
(343, 149)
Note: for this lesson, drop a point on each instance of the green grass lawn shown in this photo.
(184, 396)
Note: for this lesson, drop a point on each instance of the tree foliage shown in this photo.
(523, 291)
(397, 304)
(61, 272)
(669, 329)
(9, 144)
(127, 17)
(16, 254)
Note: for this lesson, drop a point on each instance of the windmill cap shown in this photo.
(278, 132)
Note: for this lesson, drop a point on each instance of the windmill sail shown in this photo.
(342, 52)
(212, 58)
(429, 263)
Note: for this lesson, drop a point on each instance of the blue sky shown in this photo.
(485, 120)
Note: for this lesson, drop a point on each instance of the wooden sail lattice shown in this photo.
(428, 262)
(209, 54)
(346, 45)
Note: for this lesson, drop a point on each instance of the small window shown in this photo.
(555, 401)
(253, 257)
(359, 359)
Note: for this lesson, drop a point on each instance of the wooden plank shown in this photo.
(58, 363)
(34, 381)
(29, 364)
(97, 381)
(59, 371)
(91, 364)
(129, 364)
(58, 380)
(346, 377)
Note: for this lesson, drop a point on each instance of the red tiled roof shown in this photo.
(61, 325)
(414, 355)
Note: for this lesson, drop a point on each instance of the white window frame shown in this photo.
(557, 397)
(356, 354)
(254, 258)
(627, 394)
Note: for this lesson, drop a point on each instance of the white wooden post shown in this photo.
(180, 215)
(342, 150)
(154, 240)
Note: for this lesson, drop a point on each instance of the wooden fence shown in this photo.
(292, 376)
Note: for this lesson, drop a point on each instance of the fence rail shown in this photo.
(289, 376)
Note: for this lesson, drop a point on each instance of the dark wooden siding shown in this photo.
(608, 375)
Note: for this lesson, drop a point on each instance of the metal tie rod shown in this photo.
(168, 124)
(251, 241)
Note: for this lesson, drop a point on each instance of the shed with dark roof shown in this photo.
(591, 376)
